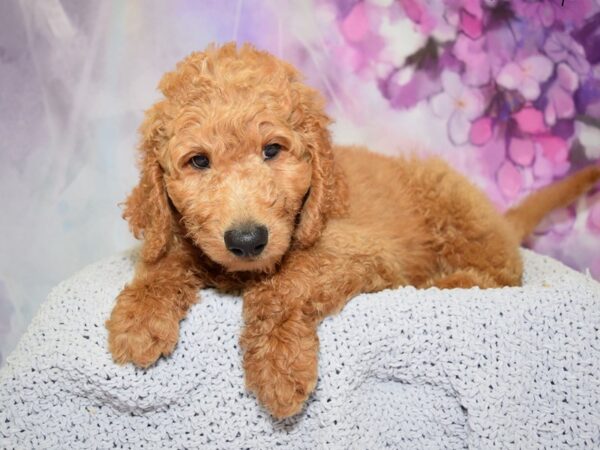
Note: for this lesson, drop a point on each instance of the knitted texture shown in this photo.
(404, 368)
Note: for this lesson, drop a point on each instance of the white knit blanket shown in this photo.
(405, 368)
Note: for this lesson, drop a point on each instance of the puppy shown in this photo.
(241, 188)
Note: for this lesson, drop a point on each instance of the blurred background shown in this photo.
(507, 91)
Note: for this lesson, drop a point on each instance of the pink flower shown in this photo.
(510, 180)
(459, 104)
(355, 26)
(526, 75)
(477, 63)
(419, 14)
(481, 131)
(545, 168)
(470, 24)
(555, 149)
(521, 151)
(464, 15)
(473, 7)
(471, 16)
(552, 149)
(542, 168)
(530, 120)
(560, 95)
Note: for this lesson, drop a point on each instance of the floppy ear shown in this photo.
(326, 190)
(147, 208)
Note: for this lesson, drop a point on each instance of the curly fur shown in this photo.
(341, 220)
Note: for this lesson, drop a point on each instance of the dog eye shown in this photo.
(200, 162)
(271, 151)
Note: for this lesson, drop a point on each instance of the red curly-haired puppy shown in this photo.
(241, 188)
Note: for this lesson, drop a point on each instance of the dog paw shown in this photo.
(281, 367)
(140, 334)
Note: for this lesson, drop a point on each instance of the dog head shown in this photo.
(237, 158)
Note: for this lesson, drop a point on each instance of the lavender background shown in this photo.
(508, 92)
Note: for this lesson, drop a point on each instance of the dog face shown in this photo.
(238, 181)
(237, 158)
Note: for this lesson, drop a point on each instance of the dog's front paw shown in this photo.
(139, 333)
(281, 366)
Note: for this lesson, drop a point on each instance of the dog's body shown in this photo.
(300, 232)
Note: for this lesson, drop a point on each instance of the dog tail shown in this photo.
(526, 215)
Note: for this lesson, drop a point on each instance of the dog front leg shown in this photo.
(281, 316)
(280, 353)
(144, 324)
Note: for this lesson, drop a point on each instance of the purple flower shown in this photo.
(500, 47)
(345, 6)
(560, 95)
(541, 12)
(526, 76)
(509, 78)
(547, 12)
(407, 87)
(477, 62)
(561, 47)
(459, 104)
(589, 37)
(587, 97)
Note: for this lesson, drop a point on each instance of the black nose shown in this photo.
(247, 240)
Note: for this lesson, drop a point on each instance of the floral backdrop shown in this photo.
(507, 91)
